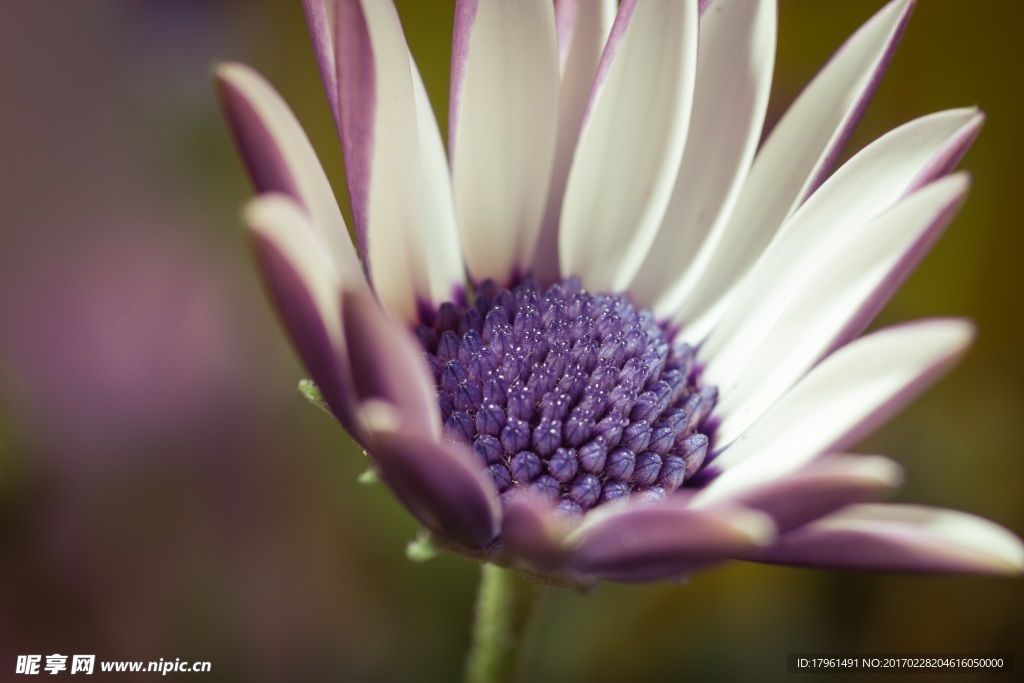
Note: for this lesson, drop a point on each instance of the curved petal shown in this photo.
(397, 175)
(581, 42)
(532, 534)
(280, 158)
(857, 277)
(824, 486)
(900, 538)
(848, 394)
(440, 484)
(794, 158)
(628, 155)
(646, 542)
(386, 364)
(320, 24)
(870, 183)
(734, 75)
(503, 109)
(304, 286)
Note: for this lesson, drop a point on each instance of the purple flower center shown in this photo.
(578, 396)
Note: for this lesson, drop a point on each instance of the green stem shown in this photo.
(504, 606)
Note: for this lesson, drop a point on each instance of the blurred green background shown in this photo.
(166, 493)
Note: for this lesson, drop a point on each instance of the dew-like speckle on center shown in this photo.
(578, 396)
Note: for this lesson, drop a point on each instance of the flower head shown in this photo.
(609, 334)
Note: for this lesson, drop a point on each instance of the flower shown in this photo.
(615, 337)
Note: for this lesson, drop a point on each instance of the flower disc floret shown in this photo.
(577, 396)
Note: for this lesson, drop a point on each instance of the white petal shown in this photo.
(827, 484)
(734, 75)
(394, 170)
(867, 185)
(859, 269)
(839, 401)
(585, 37)
(628, 155)
(445, 267)
(305, 287)
(900, 538)
(281, 159)
(648, 542)
(795, 156)
(503, 117)
(280, 220)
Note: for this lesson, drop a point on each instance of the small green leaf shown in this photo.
(370, 477)
(422, 548)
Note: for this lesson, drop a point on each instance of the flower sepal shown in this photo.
(311, 393)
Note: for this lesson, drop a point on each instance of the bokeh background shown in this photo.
(166, 493)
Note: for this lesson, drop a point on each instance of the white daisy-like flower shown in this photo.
(607, 334)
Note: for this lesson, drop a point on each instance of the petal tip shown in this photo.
(379, 416)
(758, 528)
(882, 471)
(231, 74)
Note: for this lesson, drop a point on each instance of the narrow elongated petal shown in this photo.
(795, 157)
(734, 75)
(582, 36)
(281, 159)
(628, 155)
(305, 288)
(386, 364)
(439, 483)
(824, 486)
(868, 185)
(530, 532)
(848, 394)
(320, 24)
(900, 538)
(401, 202)
(502, 124)
(445, 268)
(565, 23)
(647, 542)
(860, 270)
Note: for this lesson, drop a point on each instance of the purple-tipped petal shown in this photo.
(502, 126)
(320, 24)
(304, 287)
(796, 155)
(386, 363)
(826, 485)
(735, 60)
(907, 263)
(439, 483)
(532, 534)
(854, 280)
(868, 185)
(281, 159)
(646, 542)
(628, 156)
(899, 538)
(583, 29)
(846, 396)
(397, 172)
(946, 158)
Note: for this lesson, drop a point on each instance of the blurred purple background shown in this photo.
(165, 492)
